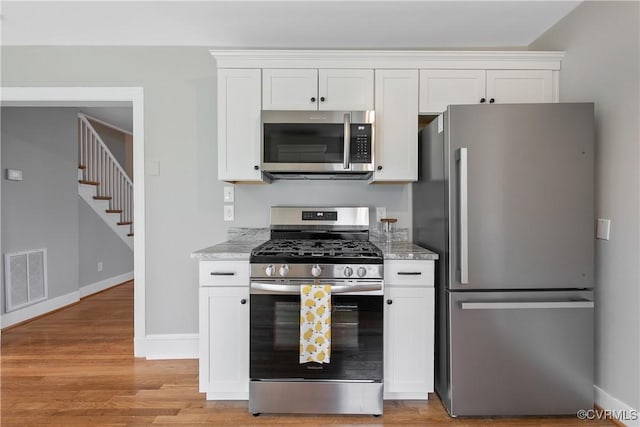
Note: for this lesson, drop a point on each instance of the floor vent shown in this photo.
(25, 278)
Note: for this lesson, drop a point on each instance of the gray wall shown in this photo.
(602, 44)
(42, 209)
(98, 243)
(184, 203)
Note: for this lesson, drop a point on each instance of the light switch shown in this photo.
(14, 175)
(603, 227)
(228, 194)
(228, 212)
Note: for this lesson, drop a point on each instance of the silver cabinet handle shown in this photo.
(347, 141)
(463, 214)
(518, 305)
(223, 273)
(409, 273)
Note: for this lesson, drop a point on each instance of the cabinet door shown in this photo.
(225, 329)
(520, 86)
(345, 90)
(289, 89)
(396, 137)
(439, 88)
(239, 125)
(408, 342)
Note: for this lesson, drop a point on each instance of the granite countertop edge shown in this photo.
(241, 250)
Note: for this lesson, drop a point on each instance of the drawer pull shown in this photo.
(409, 273)
(223, 273)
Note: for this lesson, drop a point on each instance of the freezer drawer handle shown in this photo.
(506, 305)
(463, 215)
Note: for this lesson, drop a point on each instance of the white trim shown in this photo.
(95, 287)
(109, 97)
(397, 59)
(172, 346)
(618, 407)
(39, 309)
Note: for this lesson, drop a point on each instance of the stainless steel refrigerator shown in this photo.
(505, 196)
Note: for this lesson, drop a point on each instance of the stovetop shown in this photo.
(326, 251)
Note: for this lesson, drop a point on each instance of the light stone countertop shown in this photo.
(241, 250)
(243, 240)
(405, 251)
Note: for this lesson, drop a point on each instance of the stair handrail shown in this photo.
(86, 121)
(112, 180)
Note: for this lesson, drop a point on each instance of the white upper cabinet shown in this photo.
(239, 125)
(439, 88)
(519, 86)
(312, 89)
(289, 89)
(396, 132)
(345, 90)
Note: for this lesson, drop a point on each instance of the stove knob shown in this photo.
(362, 272)
(348, 271)
(270, 270)
(284, 270)
(316, 270)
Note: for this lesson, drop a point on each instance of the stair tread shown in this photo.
(125, 223)
(114, 210)
(84, 181)
(82, 167)
(101, 198)
(130, 234)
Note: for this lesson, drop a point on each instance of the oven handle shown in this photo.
(295, 289)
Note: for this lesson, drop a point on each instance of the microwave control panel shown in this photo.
(361, 143)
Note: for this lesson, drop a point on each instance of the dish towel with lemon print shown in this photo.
(315, 323)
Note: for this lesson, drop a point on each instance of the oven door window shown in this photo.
(356, 339)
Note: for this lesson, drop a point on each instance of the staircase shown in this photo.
(102, 182)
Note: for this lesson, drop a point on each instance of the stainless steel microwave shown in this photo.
(318, 144)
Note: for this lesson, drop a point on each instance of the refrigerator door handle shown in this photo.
(463, 215)
(518, 305)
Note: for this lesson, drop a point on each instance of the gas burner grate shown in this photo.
(294, 249)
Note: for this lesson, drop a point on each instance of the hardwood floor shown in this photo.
(75, 367)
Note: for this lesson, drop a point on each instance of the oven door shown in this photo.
(356, 338)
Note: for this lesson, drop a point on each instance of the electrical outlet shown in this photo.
(381, 212)
(228, 213)
(228, 194)
(100, 266)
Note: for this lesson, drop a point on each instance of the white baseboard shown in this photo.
(171, 346)
(105, 284)
(624, 413)
(38, 309)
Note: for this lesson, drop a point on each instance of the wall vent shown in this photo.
(25, 278)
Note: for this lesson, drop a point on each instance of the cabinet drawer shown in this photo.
(224, 273)
(409, 273)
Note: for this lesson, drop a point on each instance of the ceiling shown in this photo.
(293, 24)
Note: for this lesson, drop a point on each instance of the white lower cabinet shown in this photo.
(224, 342)
(409, 317)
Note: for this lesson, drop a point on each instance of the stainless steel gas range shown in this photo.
(316, 334)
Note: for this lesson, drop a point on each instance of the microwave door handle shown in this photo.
(347, 141)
